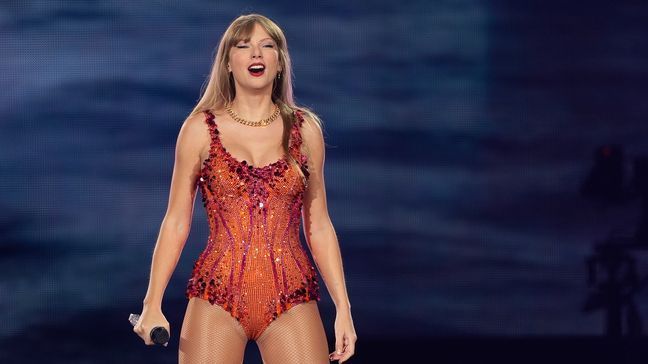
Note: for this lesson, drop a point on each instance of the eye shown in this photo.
(241, 46)
(269, 45)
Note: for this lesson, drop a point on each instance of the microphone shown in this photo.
(159, 335)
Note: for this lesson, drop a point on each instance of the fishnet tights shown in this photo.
(210, 334)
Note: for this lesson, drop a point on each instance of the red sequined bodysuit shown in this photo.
(254, 264)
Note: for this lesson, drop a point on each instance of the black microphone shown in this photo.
(159, 334)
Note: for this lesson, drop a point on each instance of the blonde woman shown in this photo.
(258, 161)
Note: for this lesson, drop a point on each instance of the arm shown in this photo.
(177, 220)
(323, 242)
(318, 228)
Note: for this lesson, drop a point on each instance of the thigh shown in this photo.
(296, 336)
(210, 334)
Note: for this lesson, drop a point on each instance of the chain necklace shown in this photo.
(263, 122)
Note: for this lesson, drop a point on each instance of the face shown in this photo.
(261, 48)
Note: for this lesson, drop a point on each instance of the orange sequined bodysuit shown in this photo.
(254, 264)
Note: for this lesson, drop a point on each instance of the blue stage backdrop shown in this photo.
(459, 134)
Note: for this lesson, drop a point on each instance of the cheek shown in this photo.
(236, 59)
(271, 54)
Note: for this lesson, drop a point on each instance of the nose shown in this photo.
(256, 51)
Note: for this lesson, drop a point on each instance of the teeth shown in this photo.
(257, 68)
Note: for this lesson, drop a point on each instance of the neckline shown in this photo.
(245, 163)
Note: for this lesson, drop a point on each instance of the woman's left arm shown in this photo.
(322, 240)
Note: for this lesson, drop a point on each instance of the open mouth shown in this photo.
(256, 70)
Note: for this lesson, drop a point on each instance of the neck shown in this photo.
(253, 107)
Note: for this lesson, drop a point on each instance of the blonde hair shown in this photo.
(220, 89)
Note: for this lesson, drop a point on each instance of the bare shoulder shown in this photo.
(196, 118)
(313, 138)
(310, 128)
(194, 134)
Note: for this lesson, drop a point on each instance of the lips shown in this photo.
(256, 69)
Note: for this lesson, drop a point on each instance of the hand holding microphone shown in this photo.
(158, 335)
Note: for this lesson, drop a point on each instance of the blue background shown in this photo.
(458, 134)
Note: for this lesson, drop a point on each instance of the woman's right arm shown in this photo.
(176, 224)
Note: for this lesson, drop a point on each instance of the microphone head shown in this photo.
(160, 335)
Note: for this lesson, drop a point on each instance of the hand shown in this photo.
(150, 318)
(345, 337)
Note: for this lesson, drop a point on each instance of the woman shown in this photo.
(258, 160)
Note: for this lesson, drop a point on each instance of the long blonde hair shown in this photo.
(220, 89)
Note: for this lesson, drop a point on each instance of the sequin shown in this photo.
(253, 209)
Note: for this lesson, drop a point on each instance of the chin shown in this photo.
(259, 86)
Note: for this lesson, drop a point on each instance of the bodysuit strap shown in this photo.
(209, 119)
(296, 138)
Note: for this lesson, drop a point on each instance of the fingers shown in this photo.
(335, 355)
(339, 349)
(347, 348)
(139, 330)
(339, 346)
(344, 347)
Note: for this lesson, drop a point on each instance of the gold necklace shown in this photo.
(263, 122)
